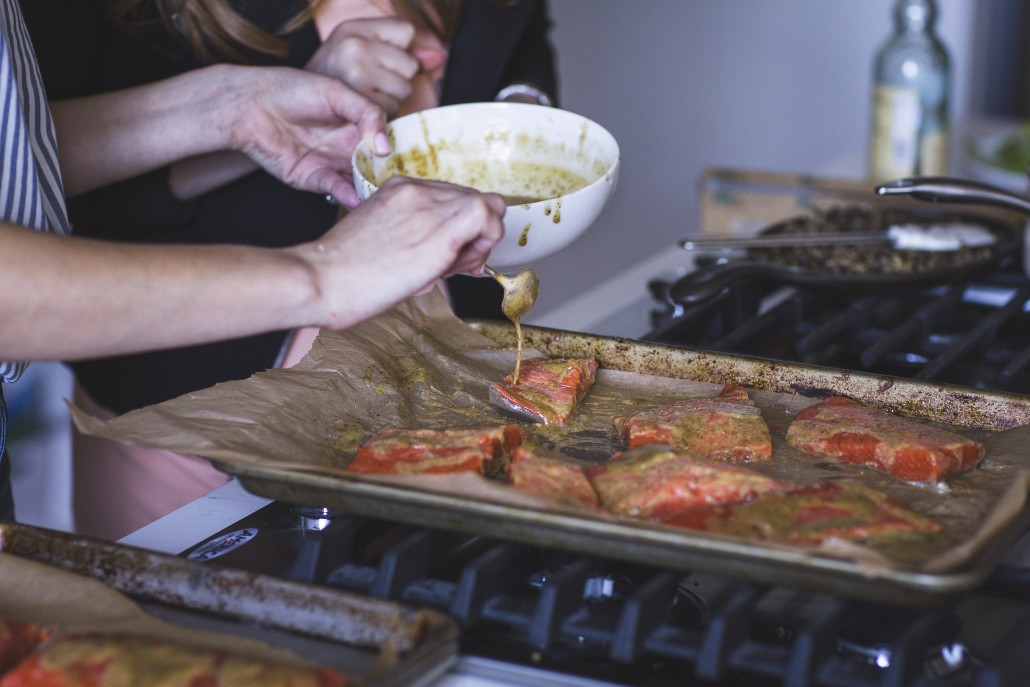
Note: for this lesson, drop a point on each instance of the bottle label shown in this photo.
(894, 146)
(933, 154)
(898, 146)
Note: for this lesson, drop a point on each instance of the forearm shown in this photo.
(71, 298)
(65, 298)
(300, 126)
(117, 135)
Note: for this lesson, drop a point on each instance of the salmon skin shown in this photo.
(726, 427)
(657, 482)
(548, 389)
(551, 478)
(847, 431)
(483, 450)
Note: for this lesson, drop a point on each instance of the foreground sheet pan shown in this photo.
(73, 584)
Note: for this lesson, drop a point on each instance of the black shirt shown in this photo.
(81, 53)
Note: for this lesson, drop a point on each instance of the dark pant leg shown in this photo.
(6, 497)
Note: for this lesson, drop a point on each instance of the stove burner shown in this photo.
(934, 651)
(972, 333)
(942, 661)
(312, 518)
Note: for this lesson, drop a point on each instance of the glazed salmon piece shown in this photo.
(658, 482)
(811, 515)
(548, 389)
(726, 427)
(437, 451)
(850, 432)
(18, 640)
(554, 479)
(108, 660)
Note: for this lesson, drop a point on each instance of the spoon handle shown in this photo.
(787, 240)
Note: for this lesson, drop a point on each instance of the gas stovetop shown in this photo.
(538, 616)
(973, 333)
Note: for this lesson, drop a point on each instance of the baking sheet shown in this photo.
(288, 434)
(78, 584)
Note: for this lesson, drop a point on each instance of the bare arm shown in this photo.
(71, 298)
(300, 126)
(87, 298)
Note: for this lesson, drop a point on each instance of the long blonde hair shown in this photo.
(215, 31)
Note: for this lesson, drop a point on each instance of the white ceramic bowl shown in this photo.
(556, 168)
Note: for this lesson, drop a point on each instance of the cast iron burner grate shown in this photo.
(975, 333)
(628, 623)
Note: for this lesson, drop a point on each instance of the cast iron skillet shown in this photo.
(845, 267)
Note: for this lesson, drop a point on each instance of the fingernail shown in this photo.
(382, 144)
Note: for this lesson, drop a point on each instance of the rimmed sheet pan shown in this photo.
(288, 434)
(680, 549)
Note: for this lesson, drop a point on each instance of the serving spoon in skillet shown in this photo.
(940, 236)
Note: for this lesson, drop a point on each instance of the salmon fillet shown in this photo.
(548, 390)
(658, 482)
(17, 640)
(554, 479)
(810, 515)
(726, 427)
(847, 431)
(437, 451)
(99, 660)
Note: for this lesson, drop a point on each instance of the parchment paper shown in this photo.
(420, 366)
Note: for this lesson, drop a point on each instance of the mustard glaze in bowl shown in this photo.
(556, 169)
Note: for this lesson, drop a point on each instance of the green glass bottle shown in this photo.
(911, 84)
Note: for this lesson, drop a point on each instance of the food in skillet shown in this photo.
(657, 482)
(17, 640)
(727, 427)
(437, 451)
(847, 431)
(554, 479)
(548, 390)
(868, 259)
(810, 515)
(115, 661)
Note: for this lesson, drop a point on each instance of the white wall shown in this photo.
(777, 85)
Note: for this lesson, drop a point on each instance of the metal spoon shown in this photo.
(520, 294)
(520, 291)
